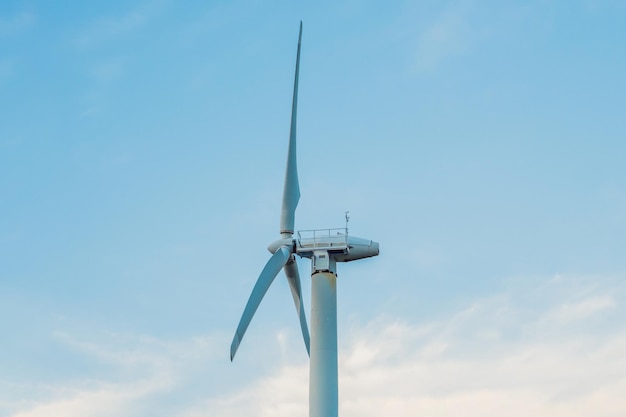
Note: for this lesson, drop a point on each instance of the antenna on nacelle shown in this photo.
(347, 220)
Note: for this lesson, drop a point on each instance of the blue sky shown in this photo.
(142, 154)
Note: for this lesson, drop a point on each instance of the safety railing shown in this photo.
(319, 239)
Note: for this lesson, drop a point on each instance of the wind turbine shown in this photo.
(325, 247)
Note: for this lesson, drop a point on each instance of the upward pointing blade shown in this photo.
(291, 192)
(269, 272)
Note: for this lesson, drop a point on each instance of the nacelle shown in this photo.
(336, 242)
(358, 248)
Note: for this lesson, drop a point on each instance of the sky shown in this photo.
(142, 157)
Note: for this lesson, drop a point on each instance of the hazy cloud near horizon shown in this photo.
(497, 356)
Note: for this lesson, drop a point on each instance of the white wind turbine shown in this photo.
(325, 248)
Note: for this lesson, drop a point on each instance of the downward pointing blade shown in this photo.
(291, 192)
(269, 272)
(291, 270)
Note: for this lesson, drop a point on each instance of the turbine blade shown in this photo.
(291, 192)
(269, 272)
(291, 270)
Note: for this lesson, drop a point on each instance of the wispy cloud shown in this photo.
(582, 309)
(489, 359)
(17, 23)
(497, 356)
(282, 394)
(139, 370)
(103, 400)
(111, 28)
(447, 36)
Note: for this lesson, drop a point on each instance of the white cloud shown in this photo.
(501, 355)
(104, 400)
(139, 371)
(582, 309)
(282, 394)
(466, 365)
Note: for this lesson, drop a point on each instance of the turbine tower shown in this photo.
(325, 247)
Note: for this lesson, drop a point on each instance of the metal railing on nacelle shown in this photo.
(319, 239)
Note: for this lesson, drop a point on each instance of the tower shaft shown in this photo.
(323, 387)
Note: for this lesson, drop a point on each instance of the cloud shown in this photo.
(137, 370)
(532, 377)
(582, 309)
(447, 36)
(282, 394)
(495, 357)
(506, 354)
(111, 28)
(17, 23)
(103, 400)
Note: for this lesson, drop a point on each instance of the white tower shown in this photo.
(325, 247)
